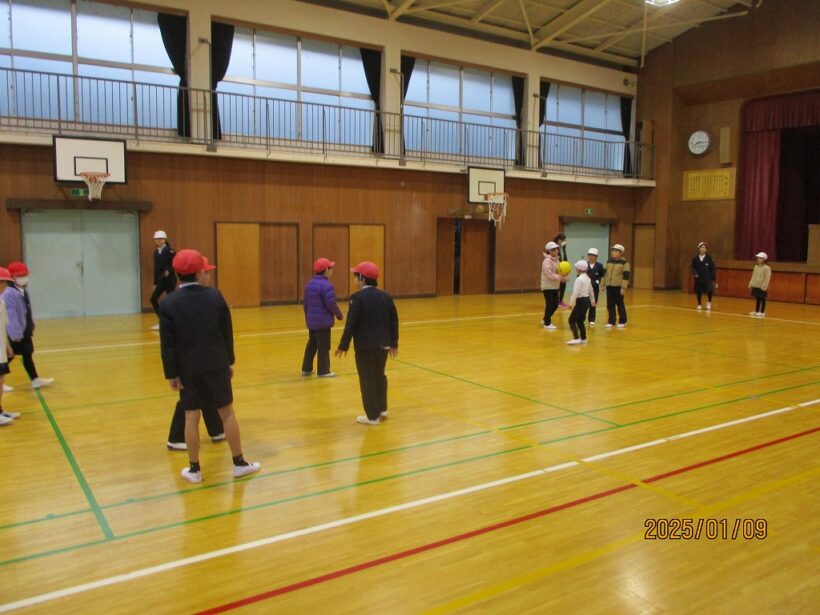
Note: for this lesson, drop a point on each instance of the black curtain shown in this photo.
(372, 63)
(408, 63)
(221, 46)
(518, 99)
(543, 93)
(798, 202)
(174, 31)
(626, 126)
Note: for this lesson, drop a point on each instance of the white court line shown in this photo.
(144, 572)
(809, 403)
(746, 316)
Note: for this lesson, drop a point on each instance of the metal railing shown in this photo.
(36, 102)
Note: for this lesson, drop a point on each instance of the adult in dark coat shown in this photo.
(703, 268)
(165, 279)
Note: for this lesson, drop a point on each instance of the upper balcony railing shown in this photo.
(35, 102)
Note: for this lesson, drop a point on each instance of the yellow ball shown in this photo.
(564, 267)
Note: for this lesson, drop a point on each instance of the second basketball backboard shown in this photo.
(482, 181)
(73, 156)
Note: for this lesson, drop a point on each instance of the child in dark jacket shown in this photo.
(320, 310)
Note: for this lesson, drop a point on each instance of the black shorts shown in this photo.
(4, 369)
(208, 390)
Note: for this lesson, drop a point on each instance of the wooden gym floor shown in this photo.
(516, 474)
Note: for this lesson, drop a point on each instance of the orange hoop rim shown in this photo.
(495, 195)
(94, 176)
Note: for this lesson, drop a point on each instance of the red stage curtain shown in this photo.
(757, 216)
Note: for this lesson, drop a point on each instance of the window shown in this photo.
(280, 86)
(119, 74)
(455, 110)
(582, 128)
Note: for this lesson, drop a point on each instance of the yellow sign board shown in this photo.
(709, 185)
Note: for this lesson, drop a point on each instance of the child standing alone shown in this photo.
(761, 276)
(320, 309)
(582, 299)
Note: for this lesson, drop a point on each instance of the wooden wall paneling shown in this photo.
(367, 244)
(445, 256)
(813, 288)
(475, 257)
(790, 287)
(333, 241)
(237, 259)
(643, 260)
(279, 263)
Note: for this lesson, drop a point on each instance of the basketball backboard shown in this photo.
(482, 181)
(73, 156)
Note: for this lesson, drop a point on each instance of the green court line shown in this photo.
(503, 392)
(89, 495)
(49, 517)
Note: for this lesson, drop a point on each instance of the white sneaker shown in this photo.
(752, 313)
(191, 477)
(383, 415)
(10, 415)
(550, 327)
(7, 388)
(218, 438)
(176, 446)
(622, 325)
(156, 328)
(327, 375)
(699, 308)
(5, 421)
(305, 374)
(366, 421)
(609, 326)
(573, 342)
(252, 467)
(708, 305)
(39, 383)
(591, 323)
(583, 341)
(761, 314)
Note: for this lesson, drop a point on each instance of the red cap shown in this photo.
(322, 264)
(187, 262)
(367, 269)
(18, 269)
(5, 275)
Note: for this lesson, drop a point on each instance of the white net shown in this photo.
(95, 183)
(496, 207)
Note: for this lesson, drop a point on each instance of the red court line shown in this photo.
(490, 528)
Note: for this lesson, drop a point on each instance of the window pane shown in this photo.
(503, 99)
(236, 108)
(148, 46)
(417, 90)
(477, 90)
(241, 64)
(44, 25)
(43, 96)
(6, 92)
(157, 102)
(276, 58)
(444, 84)
(357, 121)
(569, 105)
(552, 106)
(595, 109)
(5, 30)
(46, 66)
(103, 31)
(353, 79)
(444, 136)
(102, 101)
(613, 113)
(320, 65)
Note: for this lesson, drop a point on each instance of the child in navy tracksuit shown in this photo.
(320, 310)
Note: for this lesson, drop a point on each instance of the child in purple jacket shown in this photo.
(320, 309)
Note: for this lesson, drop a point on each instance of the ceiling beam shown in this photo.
(526, 20)
(557, 26)
(387, 8)
(401, 10)
(434, 5)
(623, 34)
(487, 10)
(591, 53)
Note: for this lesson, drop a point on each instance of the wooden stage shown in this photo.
(516, 474)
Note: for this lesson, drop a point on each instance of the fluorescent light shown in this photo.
(661, 2)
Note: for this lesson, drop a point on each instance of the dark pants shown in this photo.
(615, 299)
(578, 316)
(372, 381)
(25, 349)
(707, 287)
(318, 343)
(592, 312)
(213, 423)
(760, 299)
(562, 289)
(551, 304)
(166, 285)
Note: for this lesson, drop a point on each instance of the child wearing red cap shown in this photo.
(196, 340)
(6, 418)
(21, 321)
(373, 325)
(320, 309)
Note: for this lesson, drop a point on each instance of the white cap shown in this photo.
(762, 255)
(551, 246)
(160, 235)
(703, 243)
(582, 265)
(593, 251)
(618, 247)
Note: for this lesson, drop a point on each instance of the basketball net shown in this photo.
(95, 182)
(496, 207)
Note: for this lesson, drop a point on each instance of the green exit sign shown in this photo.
(589, 211)
(78, 192)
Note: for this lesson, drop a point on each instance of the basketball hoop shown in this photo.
(497, 207)
(95, 182)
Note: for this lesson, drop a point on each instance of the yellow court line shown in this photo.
(588, 556)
